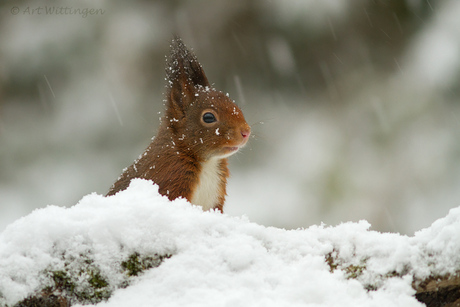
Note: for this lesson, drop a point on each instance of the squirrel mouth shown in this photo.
(234, 148)
(229, 150)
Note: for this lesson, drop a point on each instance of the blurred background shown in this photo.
(354, 104)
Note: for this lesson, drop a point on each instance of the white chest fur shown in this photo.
(206, 194)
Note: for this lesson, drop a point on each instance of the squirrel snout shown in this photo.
(245, 132)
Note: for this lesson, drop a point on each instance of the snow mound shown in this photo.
(206, 258)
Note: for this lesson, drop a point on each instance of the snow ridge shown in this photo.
(215, 259)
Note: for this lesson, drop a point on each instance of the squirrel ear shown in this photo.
(183, 74)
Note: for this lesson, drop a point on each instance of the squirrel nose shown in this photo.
(245, 132)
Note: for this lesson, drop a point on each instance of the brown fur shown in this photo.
(174, 160)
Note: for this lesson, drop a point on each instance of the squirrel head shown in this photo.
(203, 121)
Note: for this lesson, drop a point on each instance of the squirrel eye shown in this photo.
(209, 118)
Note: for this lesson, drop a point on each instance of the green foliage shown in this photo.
(331, 261)
(351, 271)
(137, 264)
(82, 281)
(355, 271)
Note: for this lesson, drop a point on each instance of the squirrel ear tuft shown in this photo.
(184, 62)
(183, 73)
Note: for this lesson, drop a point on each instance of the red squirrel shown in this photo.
(200, 129)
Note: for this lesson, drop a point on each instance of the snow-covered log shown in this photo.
(139, 249)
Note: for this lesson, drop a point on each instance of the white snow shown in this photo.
(219, 260)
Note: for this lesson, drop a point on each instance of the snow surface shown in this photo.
(218, 260)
